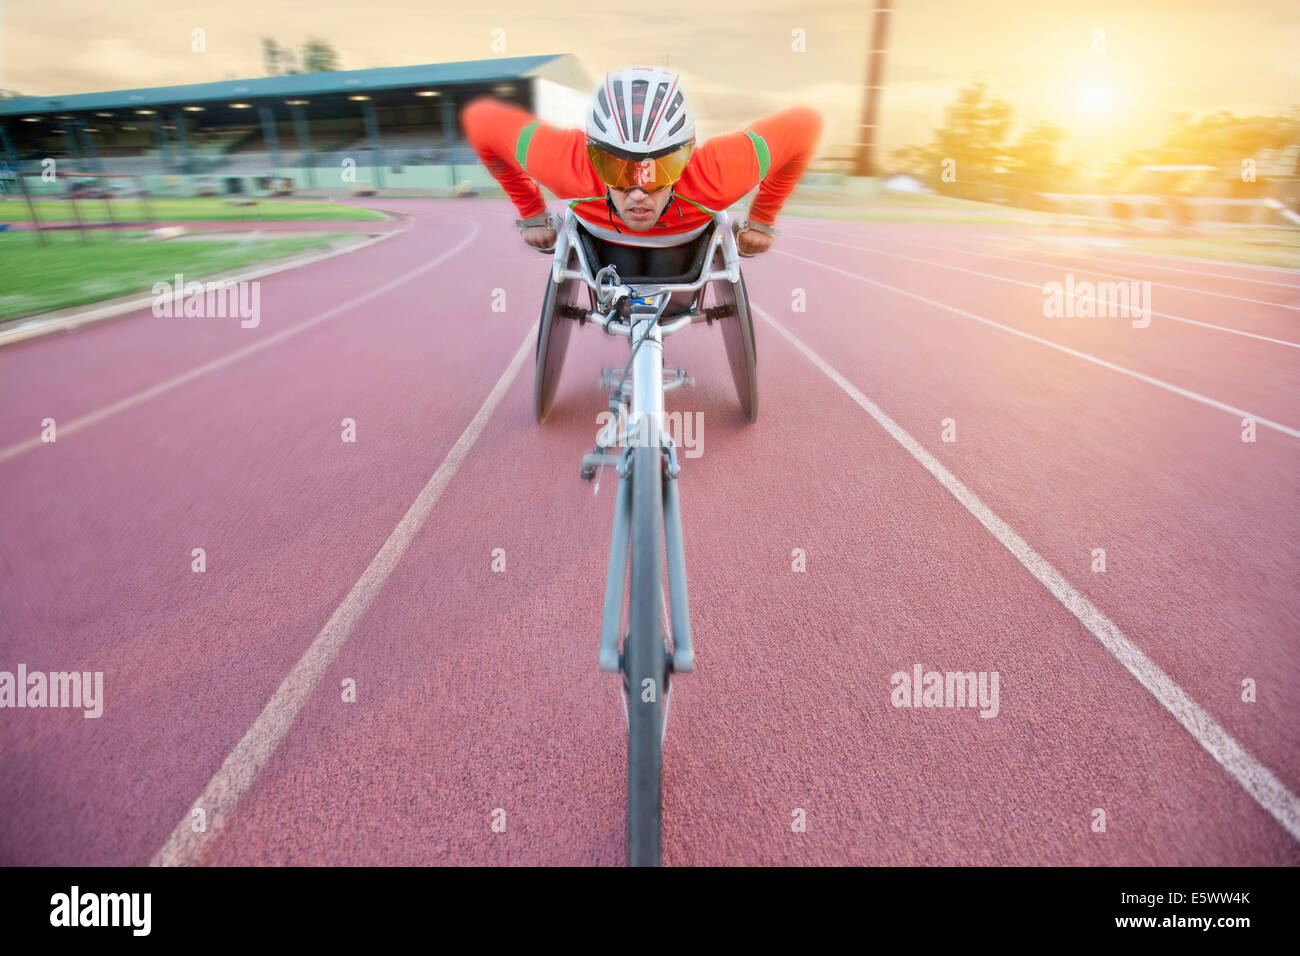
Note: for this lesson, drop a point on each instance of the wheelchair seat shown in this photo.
(724, 304)
(666, 265)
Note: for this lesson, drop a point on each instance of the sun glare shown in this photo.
(1095, 101)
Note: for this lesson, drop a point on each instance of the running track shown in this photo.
(478, 690)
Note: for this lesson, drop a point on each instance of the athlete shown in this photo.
(634, 176)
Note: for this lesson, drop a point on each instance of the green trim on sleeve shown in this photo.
(705, 209)
(760, 150)
(521, 144)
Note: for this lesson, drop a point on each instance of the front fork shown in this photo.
(681, 659)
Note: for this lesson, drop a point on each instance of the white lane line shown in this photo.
(218, 801)
(1084, 268)
(1194, 396)
(1256, 779)
(1074, 252)
(1039, 287)
(1146, 254)
(85, 421)
(1293, 285)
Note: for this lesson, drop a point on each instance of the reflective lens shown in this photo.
(652, 175)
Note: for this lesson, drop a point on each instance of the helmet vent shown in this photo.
(677, 101)
(639, 90)
(639, 112)
(620, 110)
(660, 93)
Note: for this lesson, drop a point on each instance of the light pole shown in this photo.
(871, 102)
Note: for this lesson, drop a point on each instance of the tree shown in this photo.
(270, 57)
(1221, 139)
(971, 146)
(318, 57)
(1033, 158)
(975, 132)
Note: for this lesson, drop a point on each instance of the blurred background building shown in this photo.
(392, 127)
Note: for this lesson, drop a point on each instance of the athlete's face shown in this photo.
(640, 209)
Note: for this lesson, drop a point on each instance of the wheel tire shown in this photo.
(645, 660)
(738, 335)
(552, 344)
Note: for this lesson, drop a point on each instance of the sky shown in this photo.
(740, 59)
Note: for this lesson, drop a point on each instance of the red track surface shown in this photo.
(479, 690)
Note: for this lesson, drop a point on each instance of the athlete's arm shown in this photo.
(771, 154)
(517, 149)
(790, 137)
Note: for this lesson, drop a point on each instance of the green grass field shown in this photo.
(65, 273)
(200, 209)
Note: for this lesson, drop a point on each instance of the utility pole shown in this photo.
(871, 101)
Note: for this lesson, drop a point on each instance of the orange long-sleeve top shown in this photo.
(521, 151)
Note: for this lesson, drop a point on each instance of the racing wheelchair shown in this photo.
(606, 285)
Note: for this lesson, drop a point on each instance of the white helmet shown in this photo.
(640, 111)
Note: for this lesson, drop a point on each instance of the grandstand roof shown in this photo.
(561, 67)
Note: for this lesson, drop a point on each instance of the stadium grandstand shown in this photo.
(393, 127)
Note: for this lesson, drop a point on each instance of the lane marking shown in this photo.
(1073, 252)
(85, 421)
(1217, 275)
(1293, 285)
(1039, 287)
(218, 801)
(1086, 269)
(1256, 779)
(1282, 270)
(1186, 393)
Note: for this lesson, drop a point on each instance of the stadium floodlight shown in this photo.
(105, 115)
(358, 98)
(428, 93)
(145, 112)
(31, 119)
(241, 106)
(192, 109)
(296, 102)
